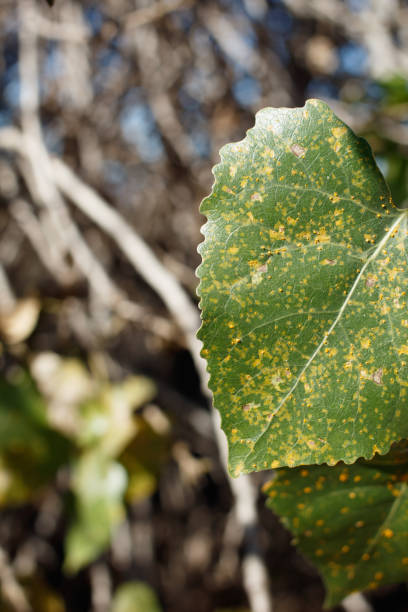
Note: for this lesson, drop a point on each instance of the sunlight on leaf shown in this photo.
(303, 295)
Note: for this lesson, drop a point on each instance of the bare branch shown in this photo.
(186, 315)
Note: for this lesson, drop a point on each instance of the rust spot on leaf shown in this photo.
(298, 150)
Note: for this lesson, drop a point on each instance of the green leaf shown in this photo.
(135, 596)
(99, 484)
(349, 520)
(143, 459)
(107, 418)
(303, 278)
(30, 451)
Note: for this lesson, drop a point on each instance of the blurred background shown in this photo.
(113, 495)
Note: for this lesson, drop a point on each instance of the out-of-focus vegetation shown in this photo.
(109, 472)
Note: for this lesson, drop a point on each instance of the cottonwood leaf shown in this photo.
(350, 520)
(303, 295)
(31, 452)
(98, 484)
(135, 596)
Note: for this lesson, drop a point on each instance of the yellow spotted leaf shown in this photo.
(303, 295)
(351, 521)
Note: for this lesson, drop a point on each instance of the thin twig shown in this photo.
(37, 232)
(7, 297)
(154, 12)
(11, 589)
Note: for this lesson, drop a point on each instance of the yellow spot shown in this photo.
(321, 237)
(345, 548)
(338, 132)
(365, 343)
(365, 557)
(320, 522)
(304, 473)
(357, 478)
(239, 468)
(233, 250)
(307, 490)
(319, 552)
(403, 350)
(343, 477)
(231, 324)
(359, 524)
(378, 575)
(352, 495)
(405, 561)
(388, 533)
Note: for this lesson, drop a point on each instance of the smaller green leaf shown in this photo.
(143, 459)
(135, 597)
(30, 451)
(107, 419)
(351, 521)
(99, 484)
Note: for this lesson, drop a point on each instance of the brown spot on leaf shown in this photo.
(298, 150)
(377, 376)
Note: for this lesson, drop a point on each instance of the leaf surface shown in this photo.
(351, 521)
(303, 280)
(99, 484)
(135, 596)
(31, 452)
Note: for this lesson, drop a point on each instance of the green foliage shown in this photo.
(305, 331)
(30, 450)
(89, 426)
(99, 484)
(112, 465)
(350, 520)
(135, 596)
